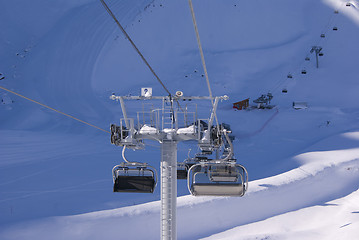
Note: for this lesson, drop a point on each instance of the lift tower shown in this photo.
(168, 125)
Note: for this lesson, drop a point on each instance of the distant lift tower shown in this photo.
(168, 125)
(318, 52)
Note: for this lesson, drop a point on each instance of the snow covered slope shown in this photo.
(303, 164)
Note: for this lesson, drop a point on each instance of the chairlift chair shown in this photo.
(289, 76)
(304, 71)
(321, 54)
(335, 29)
(217, 179)
(183, 167)
(182, 170)
(134, 178)
(322, 35)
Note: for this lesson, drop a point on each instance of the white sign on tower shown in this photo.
(146, 92)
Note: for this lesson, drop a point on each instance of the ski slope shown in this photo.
(55, 173)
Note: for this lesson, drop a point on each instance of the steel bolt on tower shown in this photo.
(168, 140)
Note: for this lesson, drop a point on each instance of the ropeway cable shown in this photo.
(203, 60)
(134, 45)
(53, 109)
(141, 55)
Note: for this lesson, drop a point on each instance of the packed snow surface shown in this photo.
(55, 172)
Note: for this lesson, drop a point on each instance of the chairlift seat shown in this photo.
(140, 184)
(217, 189)
(224, 178)
(224, 174)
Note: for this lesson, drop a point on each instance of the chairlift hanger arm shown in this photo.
(213, 114)
(230, 155)
(124, 112)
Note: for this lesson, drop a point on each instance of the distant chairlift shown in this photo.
(134, 177)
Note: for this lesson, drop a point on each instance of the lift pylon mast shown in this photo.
(168, 190)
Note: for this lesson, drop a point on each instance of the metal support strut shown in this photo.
(168, 189)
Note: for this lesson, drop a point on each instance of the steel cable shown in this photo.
(53, 109)
(203, 61)
(134, 45)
